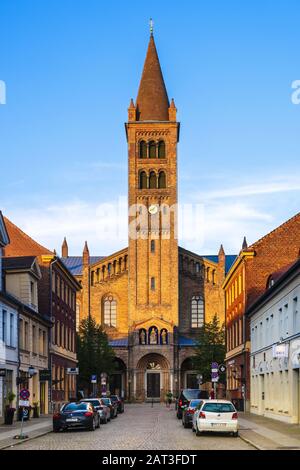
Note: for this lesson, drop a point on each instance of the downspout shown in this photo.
(50, 334)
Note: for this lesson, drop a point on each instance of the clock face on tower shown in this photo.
(153, 209)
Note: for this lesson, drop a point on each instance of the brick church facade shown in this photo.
(153, 296)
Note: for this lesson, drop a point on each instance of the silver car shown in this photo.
(102, 409)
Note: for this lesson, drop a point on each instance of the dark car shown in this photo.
(113, 406)
(188, 413)
(119, 401)
(187, 395)
(103, 410)
(76, 415)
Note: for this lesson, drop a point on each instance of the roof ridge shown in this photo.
(274, 230)
(9, 222)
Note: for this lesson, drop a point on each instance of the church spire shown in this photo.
(152, 102)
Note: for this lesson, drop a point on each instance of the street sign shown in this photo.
(72, 371)
(45, 375)
(222, 368)
(2, 372)
(24, 403)
(215, 379)
(93, 379)
(24, 394)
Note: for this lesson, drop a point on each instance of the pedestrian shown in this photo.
(169, 398)
(212, 394)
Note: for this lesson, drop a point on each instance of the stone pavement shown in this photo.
(266, 434)
(141, 427)
(33, 428)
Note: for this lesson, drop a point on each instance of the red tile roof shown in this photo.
(21, 244)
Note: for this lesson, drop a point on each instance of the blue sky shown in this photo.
(70, 69)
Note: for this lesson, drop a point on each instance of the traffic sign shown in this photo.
(24, 394)
(222, 368)
(215, 379)
(24, 403)
(72, 371)
(93, 379)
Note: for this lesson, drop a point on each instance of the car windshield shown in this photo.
(75, 406)
(94, 402)
(114, 398)
(192, 394)
(194, 403)
(106, 401)
(218, 407)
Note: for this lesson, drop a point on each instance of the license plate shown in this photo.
(216, 425)
(71, 420)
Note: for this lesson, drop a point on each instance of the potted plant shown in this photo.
(36, 409)
(9, 410)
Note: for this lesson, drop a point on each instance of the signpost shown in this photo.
(24, 402)
(94, 383)
(45, 375)
(103, 383)
(215, 376)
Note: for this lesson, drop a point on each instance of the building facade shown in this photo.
(275, 348)
(56, 294)
(22, 275)
(9, 354)
(153, 296)
(244, 283)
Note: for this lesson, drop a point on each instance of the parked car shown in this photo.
(75, 415)
(188, 413)
(119, 401)
(215, 416)
(113, 406)
(186, 396)
(103, 410)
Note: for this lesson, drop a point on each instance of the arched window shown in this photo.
(152, 149)
(143, 180)
(110, 311)
(197, 311)
(152, 180)
(161, 149)
(143, 149)
(162, 179)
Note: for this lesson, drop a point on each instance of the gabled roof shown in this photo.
(75, 263)
(22, 244)
(152, 101)
(22, 263)
(286, 224)
(4, 238)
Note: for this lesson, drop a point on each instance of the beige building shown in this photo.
(275, 347)
(22, 275)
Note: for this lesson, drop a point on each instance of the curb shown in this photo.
(248, 441)
(18, 443)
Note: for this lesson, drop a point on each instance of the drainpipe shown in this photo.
(50, 334)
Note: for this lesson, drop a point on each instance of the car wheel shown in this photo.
(193, 429)
(186, 425)
(178, 416)
(98, 422)
(236, 434)
(105, 420)
(197, 430)
(92, 426)
(56, 429)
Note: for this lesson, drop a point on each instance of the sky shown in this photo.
(69, 69)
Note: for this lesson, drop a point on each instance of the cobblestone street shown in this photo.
(141, 427)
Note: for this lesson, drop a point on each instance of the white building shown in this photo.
(275, 347)
(8, 336)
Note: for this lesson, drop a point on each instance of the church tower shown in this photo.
(152, 135)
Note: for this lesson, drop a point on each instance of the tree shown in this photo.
(210, 348)
(93, 352)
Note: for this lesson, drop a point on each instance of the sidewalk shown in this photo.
(266, 434)
(34, 428)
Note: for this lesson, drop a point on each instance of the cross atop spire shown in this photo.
(151, 26)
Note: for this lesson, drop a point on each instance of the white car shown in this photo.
(215, 416)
